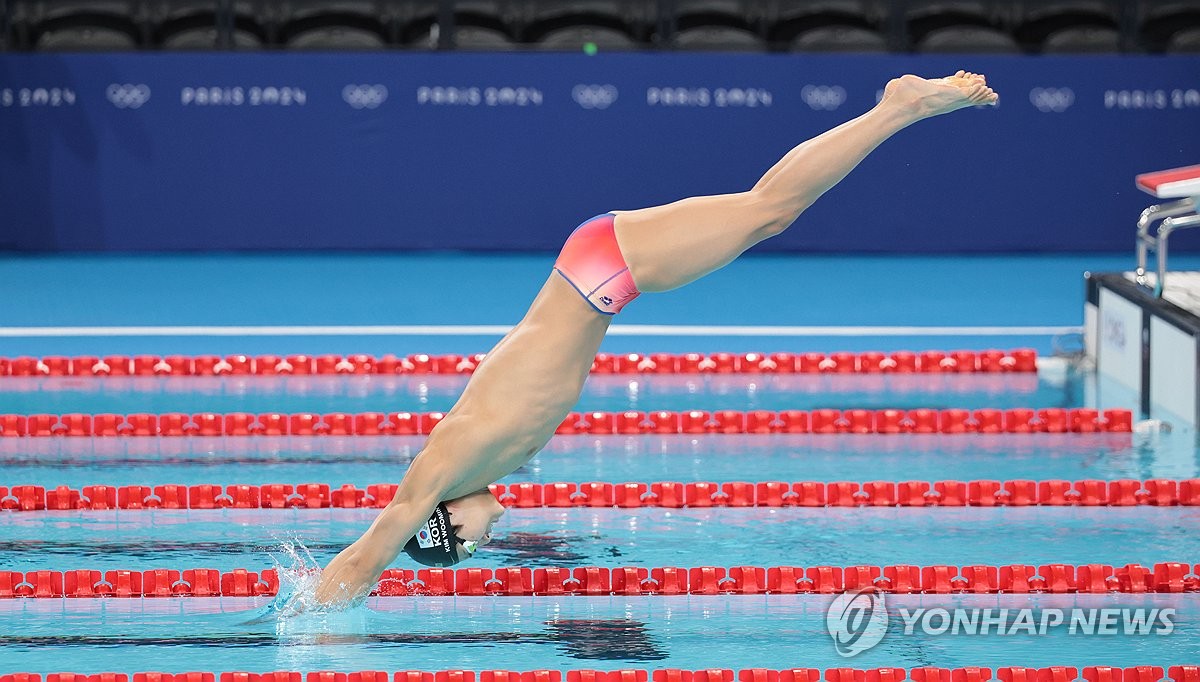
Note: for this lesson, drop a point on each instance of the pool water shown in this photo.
(524, 633)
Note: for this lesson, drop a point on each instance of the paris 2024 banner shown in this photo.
(133, 152)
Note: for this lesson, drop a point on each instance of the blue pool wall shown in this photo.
(510, 151)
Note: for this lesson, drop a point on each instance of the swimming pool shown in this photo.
(566, 632)
(867, 517)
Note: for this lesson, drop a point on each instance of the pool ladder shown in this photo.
(1176, 215)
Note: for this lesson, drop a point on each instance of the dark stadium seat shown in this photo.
(466, 37)
(335, 37)
(1068, 25)
(788, 19)
(693, 13)
(195, 24)
(633, 18)
(718, 38)
(1160, 20)
(504, 16)
(83, 38)
(838, 38)
(334, 24)
(70, 25)
(482, 38)
(480, 24)
(717, 25)
(969, 39)
(5, 34)
(207, 38)
(952, 25)
(1078, 39)
(575, 38)
(1186, 41)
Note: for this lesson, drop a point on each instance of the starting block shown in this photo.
(1141, 328)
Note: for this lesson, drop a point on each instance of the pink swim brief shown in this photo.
(592, 262)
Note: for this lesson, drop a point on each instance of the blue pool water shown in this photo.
(574, 632)
(523, 633)
(518, 633)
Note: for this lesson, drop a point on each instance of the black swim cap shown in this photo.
(435, 543)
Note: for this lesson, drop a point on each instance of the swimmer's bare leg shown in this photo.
(669, 246)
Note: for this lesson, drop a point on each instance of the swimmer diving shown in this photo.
(442, 511)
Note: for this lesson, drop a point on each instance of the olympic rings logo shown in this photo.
(823, 97)
(1052, 100)
(594, 96)
(365, 96)
(128, 95)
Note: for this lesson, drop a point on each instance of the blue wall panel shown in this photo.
(510, 151)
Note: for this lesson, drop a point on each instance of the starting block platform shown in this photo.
(1141, 328)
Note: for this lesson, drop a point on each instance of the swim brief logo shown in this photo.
(606, 300)
(1052, 100)
(365, 96)
(594, 96)
(856, 621)
(823, 97)
(128, 95)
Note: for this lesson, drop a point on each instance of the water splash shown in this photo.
(295, 609)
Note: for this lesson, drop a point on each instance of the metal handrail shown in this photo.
(1145, 242)
(1168, 226)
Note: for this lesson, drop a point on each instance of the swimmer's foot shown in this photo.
(923, 98)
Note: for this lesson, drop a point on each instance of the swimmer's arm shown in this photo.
(354, 571)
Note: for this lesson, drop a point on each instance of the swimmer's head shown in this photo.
(455, 530)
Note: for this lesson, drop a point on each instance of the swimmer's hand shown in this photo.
(347, 580)
(352, 573)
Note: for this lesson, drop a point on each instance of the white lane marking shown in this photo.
(497, 330)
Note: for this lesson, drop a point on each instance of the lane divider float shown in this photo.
(1140, 673)
(594, 494)
(820, 421)
(1165, 577)
(900, 362)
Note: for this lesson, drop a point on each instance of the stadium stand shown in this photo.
(938, 26)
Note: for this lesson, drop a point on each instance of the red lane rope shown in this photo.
(823, 421)
(667, 494)
(1172, 577)
(901, 362)
(1101, 673)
